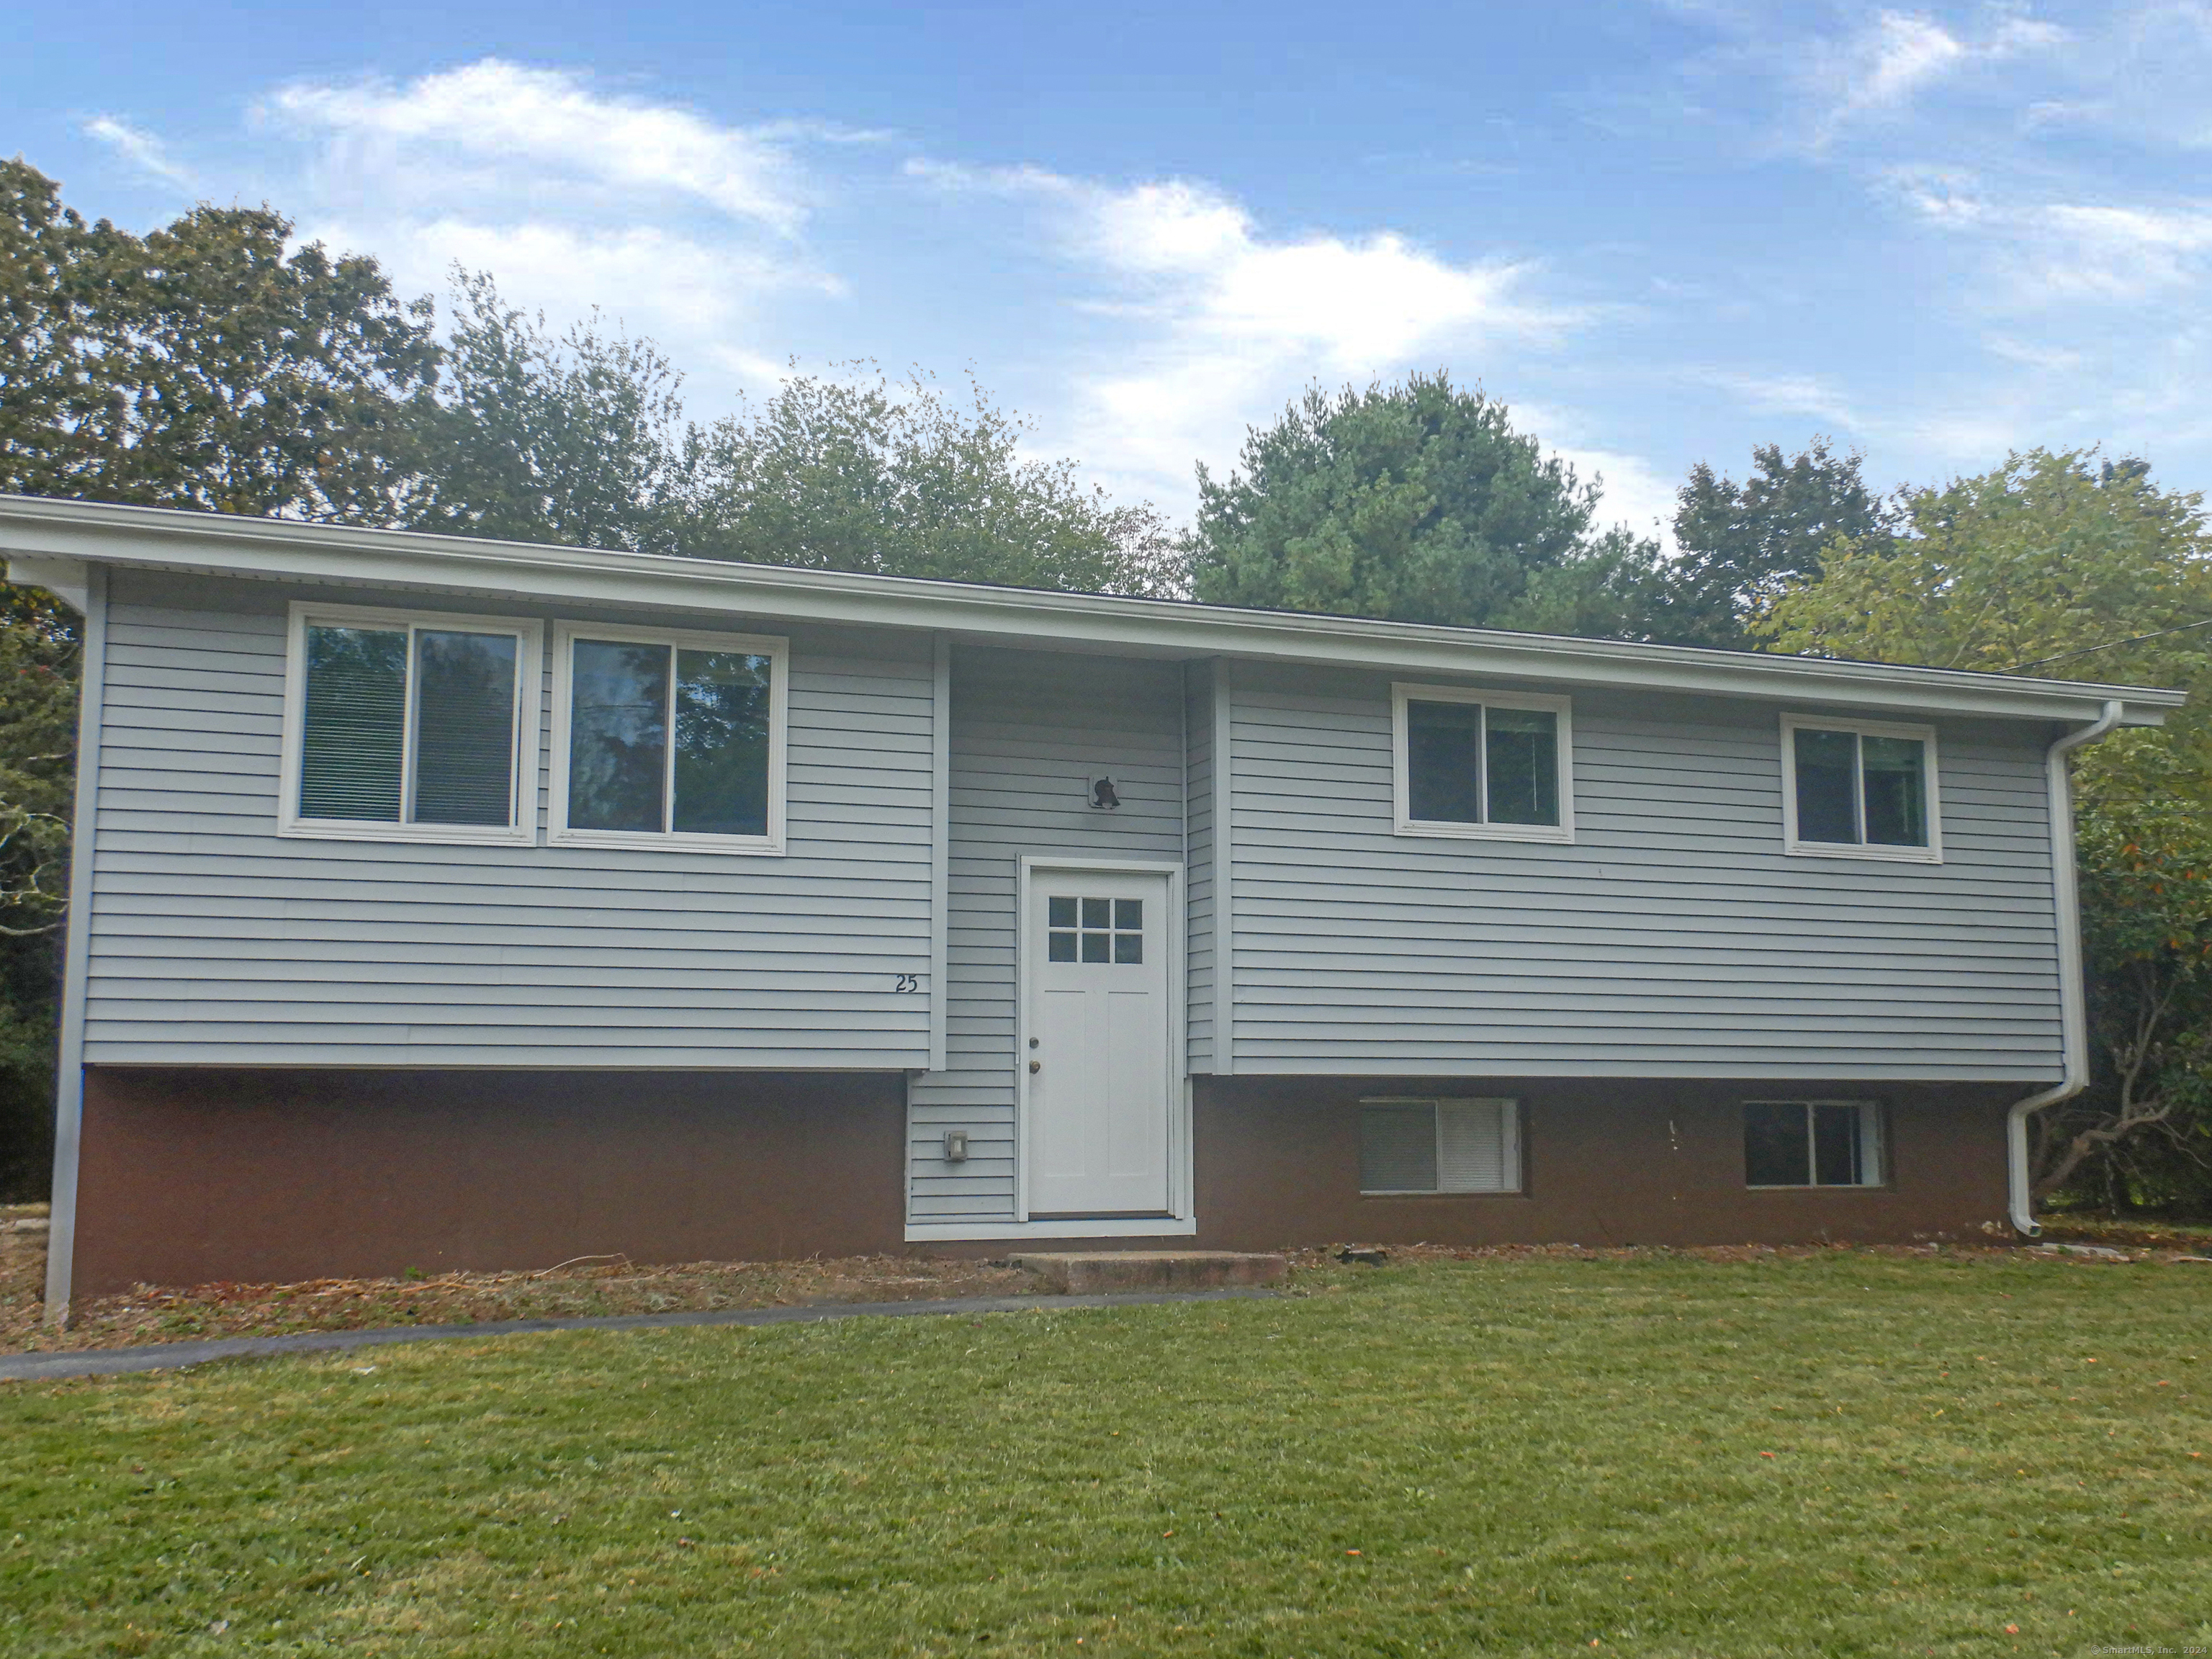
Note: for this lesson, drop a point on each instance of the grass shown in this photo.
(1839, 1453)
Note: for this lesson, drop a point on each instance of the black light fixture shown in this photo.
(1103, 797)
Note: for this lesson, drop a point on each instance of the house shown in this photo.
(443, 903)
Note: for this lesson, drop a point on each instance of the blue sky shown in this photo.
(1663, 232)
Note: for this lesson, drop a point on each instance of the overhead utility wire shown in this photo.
(2109, 644)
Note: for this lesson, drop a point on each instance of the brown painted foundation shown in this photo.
(190, 1177)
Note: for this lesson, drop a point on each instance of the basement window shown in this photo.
(1811, 1143)
(1439, 1146)
(403, 726)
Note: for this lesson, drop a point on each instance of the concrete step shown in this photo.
(1081, 1272)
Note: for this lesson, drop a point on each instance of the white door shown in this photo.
(1096, 1059)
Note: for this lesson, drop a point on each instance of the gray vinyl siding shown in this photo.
(1028, 729)
(215, 941)
(1198, 879)
(1674, 938)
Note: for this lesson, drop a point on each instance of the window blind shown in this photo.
(354, 736)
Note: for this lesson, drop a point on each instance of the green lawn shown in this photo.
(1842, 1453)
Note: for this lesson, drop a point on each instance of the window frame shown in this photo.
(1924, 735)
(528, 633)
(1509, 1157)
(774, 647)
(1870, 1111)
(1401, 782)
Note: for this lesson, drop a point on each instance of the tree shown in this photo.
(865, 474)
(1415, 502)
(2056, 565)
(39, 645)
(533, 438)
(1739, 546)
(202, 365)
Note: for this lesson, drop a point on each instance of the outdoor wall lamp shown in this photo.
(1103, 797)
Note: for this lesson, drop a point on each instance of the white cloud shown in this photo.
(1221, 324)
(142, 149)
(1895, 57)
(498, 119)
(1789, 394)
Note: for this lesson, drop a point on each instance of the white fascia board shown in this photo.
(282, 551)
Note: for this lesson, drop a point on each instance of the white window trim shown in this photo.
(1401, 780)
(1931, 853)
(1872, 1126)
(528, 679)
(777, 650)
(1510, 1155)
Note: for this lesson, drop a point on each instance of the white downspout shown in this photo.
(2072, 994)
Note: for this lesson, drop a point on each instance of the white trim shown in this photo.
(215, 544)
(776, 649)
(1924, 735)
(76, 952)
(528, 635)
(946, 1232)
(1180, 1182)
(1871, 1127)
(1405, 823)
(1222, 696)
(940, 845)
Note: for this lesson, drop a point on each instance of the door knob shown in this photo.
(1035, 1066)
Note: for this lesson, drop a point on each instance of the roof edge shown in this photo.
(37, 531)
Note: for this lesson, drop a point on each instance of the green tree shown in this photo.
(1740, 545)
(1414, 503)
(861, 473)
(201, 365)
(2056, 565)
(572, 439)
(39, 647)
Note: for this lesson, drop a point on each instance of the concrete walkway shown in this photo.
(170, 1355)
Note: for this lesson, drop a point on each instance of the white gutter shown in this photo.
(2073, 993)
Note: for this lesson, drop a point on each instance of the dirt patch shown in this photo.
(152, 1314)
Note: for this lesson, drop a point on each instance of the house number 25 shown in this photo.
(906, 982)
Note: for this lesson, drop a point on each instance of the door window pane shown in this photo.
(618, 736)
(1060, 946)
(722, 714)
(354, 737)
(1896, 791)
(464, 727)
(1096, 947)
(1443, 761)
(1061, 910)
(1776, 1149)
(1826, 786)
(1522, 750)
(1398, 1148)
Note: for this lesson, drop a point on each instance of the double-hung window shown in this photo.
(410, 726)
(1856, 789)
(1811, 1143)
(1492, 764)
(664, 739)
(1408, 1146)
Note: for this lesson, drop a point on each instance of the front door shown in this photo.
(1097, 1060)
